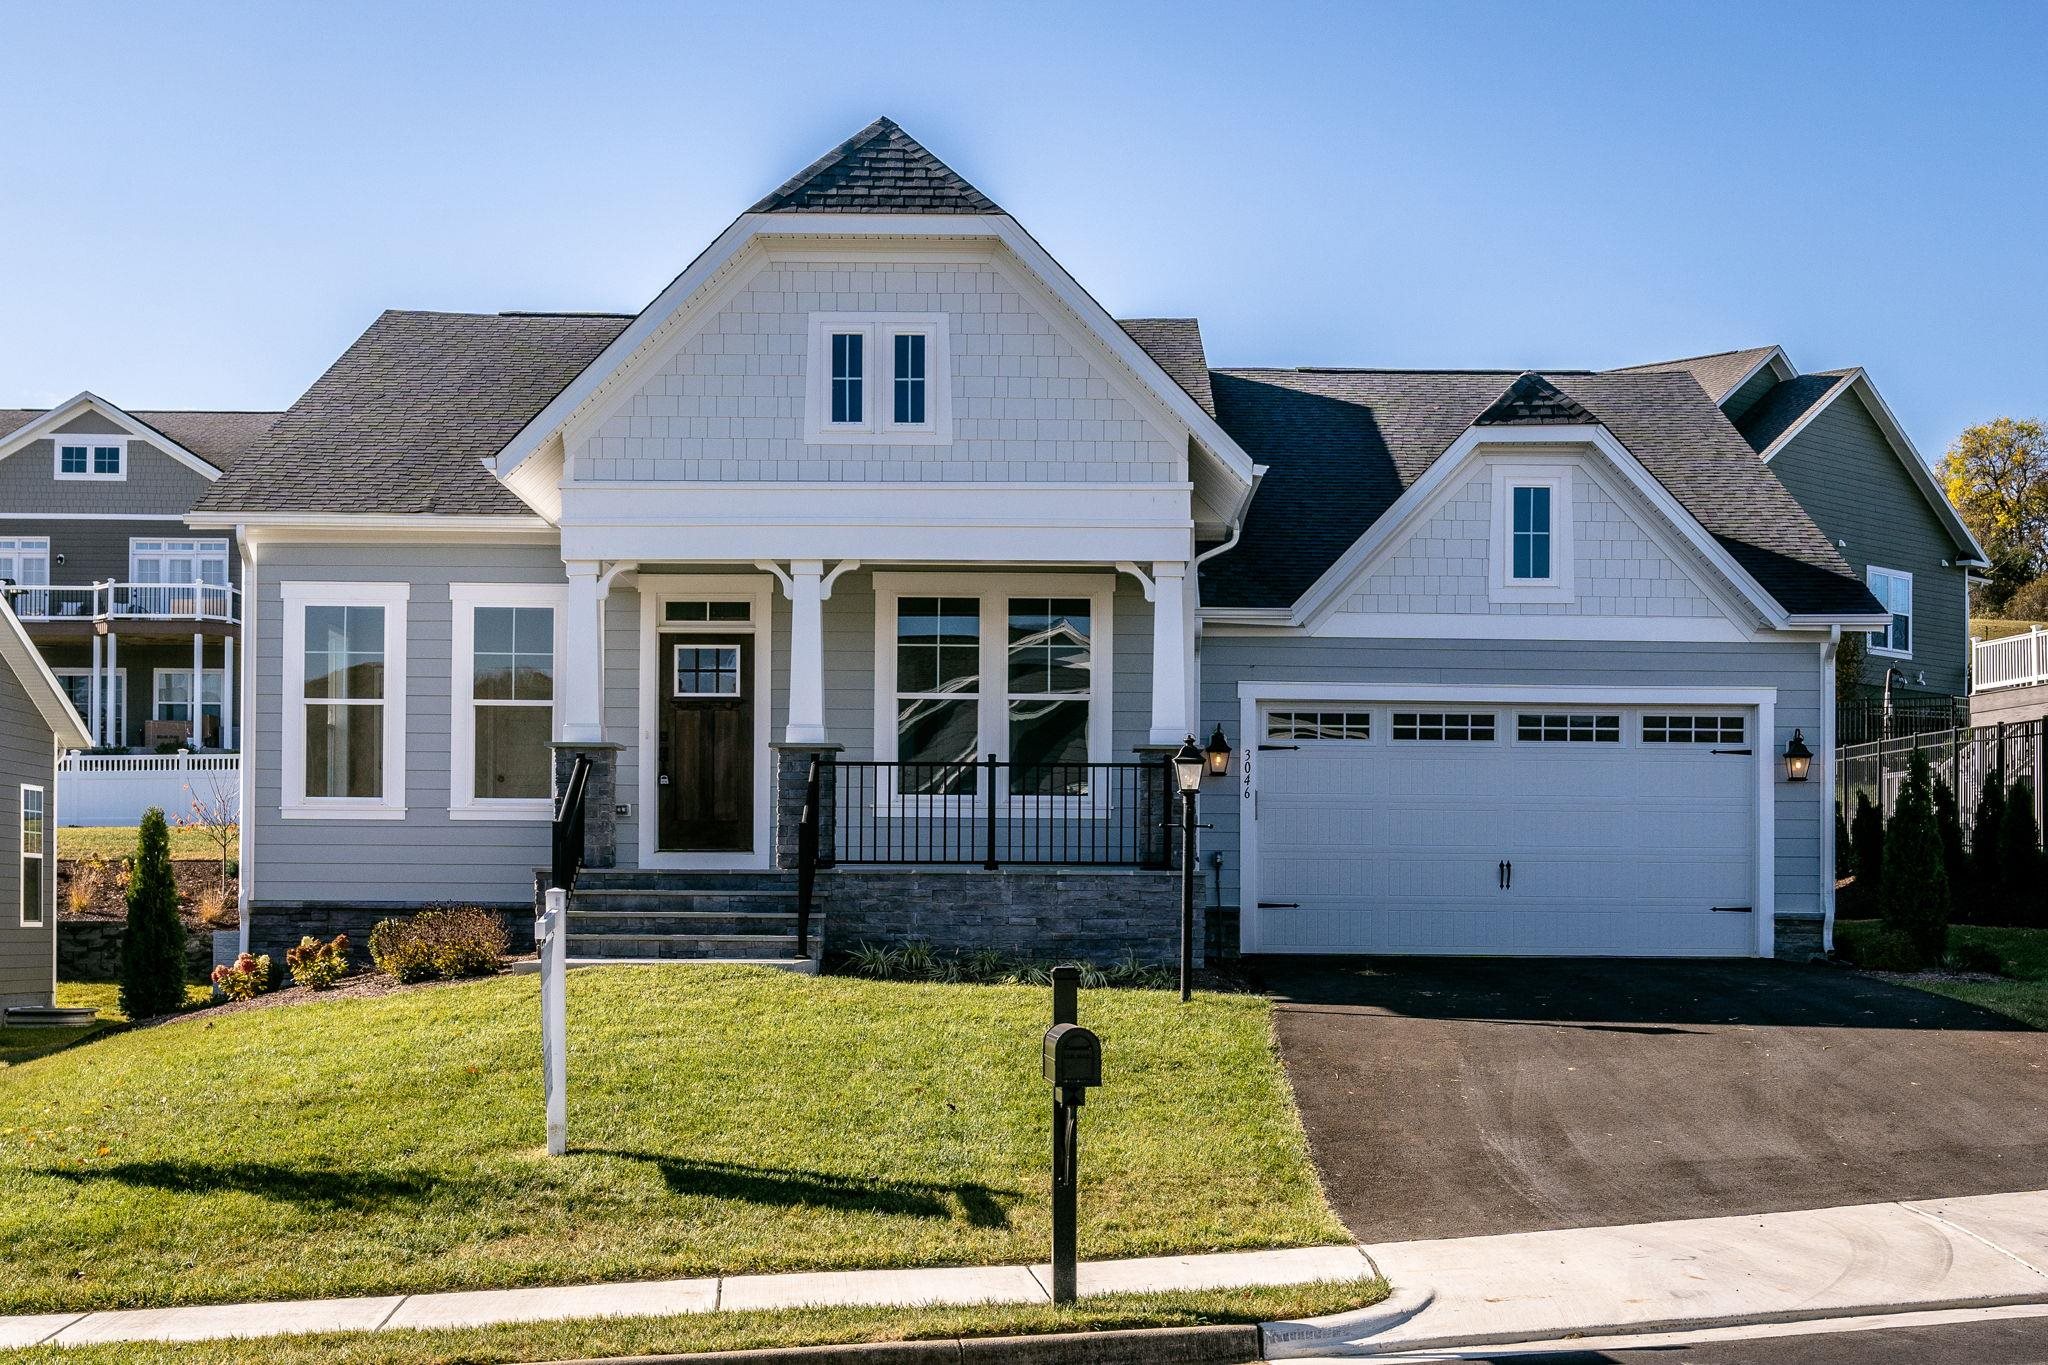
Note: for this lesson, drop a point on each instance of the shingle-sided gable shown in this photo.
(880, 169)
(401, 422)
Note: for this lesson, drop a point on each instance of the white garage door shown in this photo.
(1508, 829)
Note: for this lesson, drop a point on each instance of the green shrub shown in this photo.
(439, 944)
(1986, 892)
(1845, 851)
(248, 978)
(153, 951)
(1976, 957)
(2019, 853)
(1887, 950)
(1949, 820)
(1913, 898)
(318, 965)
(1866, 836)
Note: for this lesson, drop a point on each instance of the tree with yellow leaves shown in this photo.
(1996, 475)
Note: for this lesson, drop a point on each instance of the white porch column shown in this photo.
(198, 691)
(582, 673)
(1171, 722)
(227, 692)
(806, 652)
(114, 697)
(95, 715)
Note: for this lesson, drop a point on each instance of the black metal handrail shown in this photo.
(993, 812)
(806, 860)
(568, 828)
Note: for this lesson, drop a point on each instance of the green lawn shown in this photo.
(2024, 997)
(18, 1045)
(118, 841)
(728, 1331)
(722, 1120)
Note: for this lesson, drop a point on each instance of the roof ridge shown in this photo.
(1686, 359)
(880, 169)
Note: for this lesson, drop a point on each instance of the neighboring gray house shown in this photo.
(36, 722)
(1833, 442)
(1510, 661)
(130, 608)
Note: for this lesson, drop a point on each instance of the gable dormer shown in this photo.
(88, 456)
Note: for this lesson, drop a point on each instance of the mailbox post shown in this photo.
(1073, 1065)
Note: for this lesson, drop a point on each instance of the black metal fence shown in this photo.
(989, 813)
(1967, 757)
(1860, 720)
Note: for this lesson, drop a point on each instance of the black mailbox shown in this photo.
(1073, 1056)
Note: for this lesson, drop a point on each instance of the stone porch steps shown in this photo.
(633, 915)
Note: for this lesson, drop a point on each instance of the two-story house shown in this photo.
(1835, 445)
(1513, 663)
(137, 615)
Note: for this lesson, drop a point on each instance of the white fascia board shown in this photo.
(277, 528)
(47, 424)
(48, 696)
(1779, 364)
(1320, 601)
(1272, 689)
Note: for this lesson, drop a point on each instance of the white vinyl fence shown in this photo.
(115, 789)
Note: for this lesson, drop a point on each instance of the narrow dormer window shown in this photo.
(91, 457)
(1531, 533)
(848, 376)
(908, 377)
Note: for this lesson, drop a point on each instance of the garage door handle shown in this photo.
(1743, 752)
(1507, 876)
(1279, 905)
(1733, 909)
(1268, 748)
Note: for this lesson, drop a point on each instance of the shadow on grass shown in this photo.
(983, 1206)
(313, 1187)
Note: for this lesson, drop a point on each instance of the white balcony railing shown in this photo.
(113, 601)
(2014, 661)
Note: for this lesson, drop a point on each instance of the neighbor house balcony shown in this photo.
(136, 608)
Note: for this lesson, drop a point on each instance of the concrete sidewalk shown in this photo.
(949, 1285)
(1777, 1267)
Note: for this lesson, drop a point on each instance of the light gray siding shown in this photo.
(27, 756)
(1793, 669)
(1848, 479)
(427, 857)
(156, 484)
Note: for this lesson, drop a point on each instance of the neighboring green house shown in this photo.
(1834, 444)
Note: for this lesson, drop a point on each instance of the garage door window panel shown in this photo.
(1693, 729)
(1316, 726)
(1447, 727)
(1567, 728)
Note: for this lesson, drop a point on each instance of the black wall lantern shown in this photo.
(1798, 758)
(1218, 754)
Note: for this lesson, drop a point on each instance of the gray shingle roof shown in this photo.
(1784, 404)
(401, 422)
(219, 438)
(1342, 445)
(1532, 401)
(1718, 374)
(880, 169)
(1176, 344)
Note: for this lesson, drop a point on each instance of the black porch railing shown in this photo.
(990, 812)
(568, 828)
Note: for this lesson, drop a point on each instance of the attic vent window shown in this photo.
(877, 379)
(1531, 550)
(92, 457)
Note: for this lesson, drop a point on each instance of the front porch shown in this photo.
(990, 742)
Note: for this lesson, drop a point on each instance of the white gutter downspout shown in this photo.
(1828, 795)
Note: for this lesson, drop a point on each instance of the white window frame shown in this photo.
(1880, 641)
(119, 701)
(992, 711)
(464, 599)
(119, 443)
(1502, 585)
(17, 549)
(41, 855)
(878, 380)
(209, 675)
(295, 804)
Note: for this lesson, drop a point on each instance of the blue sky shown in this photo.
(203, 206)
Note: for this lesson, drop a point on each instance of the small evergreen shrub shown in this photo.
(1987, 865)
(1866, 836)
(2019, 853)
(437, 944)
(1949, 820)
(1887, 950)
(1913, 898)
(153, 950)
(1976, 957)
(318, 965)
(1845, 851)
(246, 979)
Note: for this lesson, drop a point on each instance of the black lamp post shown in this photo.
(1190, 766)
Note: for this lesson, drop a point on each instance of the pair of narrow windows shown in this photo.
(906, 378)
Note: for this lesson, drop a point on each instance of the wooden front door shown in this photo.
(706, 779)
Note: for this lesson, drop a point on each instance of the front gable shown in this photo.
(155, 475)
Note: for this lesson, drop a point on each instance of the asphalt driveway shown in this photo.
(1458, 1097)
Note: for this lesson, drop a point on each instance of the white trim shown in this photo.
(120, 698)
(51, 701)
(1762, 700)
(157, 676)
(1885, 651)
(1445, 625)
(463, 600)
(424, 525)
(1823, 776)
(92, 445)
(878, 379)
(1502, 586)
(167, 520)
(46, 426)
(245, 885)
(758, 591)
(297, 596)
(1775, 358)
(994, 591)
(45, 884)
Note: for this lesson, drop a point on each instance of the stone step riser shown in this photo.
(643, 879)
(681, 947)
(599, 923)
(685, 902)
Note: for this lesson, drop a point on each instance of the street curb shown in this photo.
(1338, 1343)
(1214, 1345)
(1340, 1333)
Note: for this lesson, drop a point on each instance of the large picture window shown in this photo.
(35, 831)
(345, 700)
(506, 645)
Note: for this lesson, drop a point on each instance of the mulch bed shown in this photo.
(365, 985)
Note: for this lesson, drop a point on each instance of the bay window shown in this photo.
(344, 686)
(507, 639)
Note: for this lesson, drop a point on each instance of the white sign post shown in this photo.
(550, 936)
